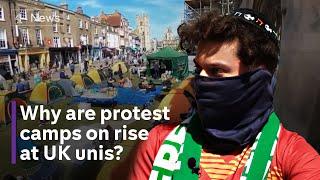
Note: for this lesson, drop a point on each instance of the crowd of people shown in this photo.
(135, 63)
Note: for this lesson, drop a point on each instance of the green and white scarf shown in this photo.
(184, 142)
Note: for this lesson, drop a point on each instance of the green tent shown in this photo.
(175, 61)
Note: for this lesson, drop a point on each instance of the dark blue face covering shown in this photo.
(233, 110)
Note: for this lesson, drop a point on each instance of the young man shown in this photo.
(72, 67)
(231, 131)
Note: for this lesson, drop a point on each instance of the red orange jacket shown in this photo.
(294, 158)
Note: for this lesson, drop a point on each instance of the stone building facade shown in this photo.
(29, 29)
(169, 39)
(36, 35)
(8, 52)
(143, 31)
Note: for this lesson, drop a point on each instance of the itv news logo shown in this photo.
(38, 16)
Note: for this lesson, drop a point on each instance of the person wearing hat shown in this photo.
(143, 83)
(231, 130)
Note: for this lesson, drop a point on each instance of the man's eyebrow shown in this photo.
(217, 64)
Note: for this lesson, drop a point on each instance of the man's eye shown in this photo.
(216, 71)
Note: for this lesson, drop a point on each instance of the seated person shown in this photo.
(141, 71)
(134, 69)
(144, 83)
(127, 83)
(26, 85)
(44, 75)
(169, 75)
(111, 81)
(63, 75)
(164, 76)
(151, 86)
(24, 75)
(121, 81)
(167, 83)
(135, 61)
(19, 86)
(36, 78)
(109, 72)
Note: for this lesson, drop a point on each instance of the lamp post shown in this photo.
(80, 63)
(87, 47)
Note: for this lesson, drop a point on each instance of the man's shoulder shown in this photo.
(157, 135)
(295, 156)
(286, 134)
(291, 143)
(288, 137)
(162, 130)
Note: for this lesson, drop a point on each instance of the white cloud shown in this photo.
(158, 29)
(91, 4)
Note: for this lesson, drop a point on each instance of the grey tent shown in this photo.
(68, 87)
(5, 74)
(2, 78)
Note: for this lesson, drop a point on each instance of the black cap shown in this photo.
(258, 20)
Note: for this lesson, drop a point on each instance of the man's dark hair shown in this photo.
(256, 48)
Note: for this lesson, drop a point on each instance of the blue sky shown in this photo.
(162, 13)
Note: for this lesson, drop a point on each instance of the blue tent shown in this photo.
(24, 144)
(130, 96)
